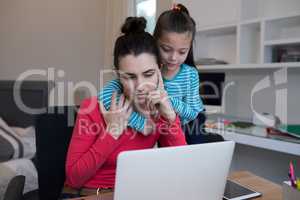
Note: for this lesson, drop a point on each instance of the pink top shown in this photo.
(92, 154)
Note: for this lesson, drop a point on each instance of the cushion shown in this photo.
(12, 168)
(16, 142)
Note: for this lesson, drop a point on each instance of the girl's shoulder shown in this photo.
(189, 69)
(114, 82)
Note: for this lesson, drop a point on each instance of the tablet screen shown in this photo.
(234, 190)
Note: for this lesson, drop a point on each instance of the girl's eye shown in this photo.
(182, 53)
(165, 49)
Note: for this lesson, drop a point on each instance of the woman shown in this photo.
(100, 135)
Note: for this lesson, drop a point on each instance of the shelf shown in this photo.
(250, 21)
(247, 66)
(218, 30)
(282, 42)
(266, 143)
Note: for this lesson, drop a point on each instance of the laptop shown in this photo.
(187, 172)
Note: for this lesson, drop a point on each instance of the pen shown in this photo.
(292, 175)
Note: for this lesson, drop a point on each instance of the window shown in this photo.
(147, 9)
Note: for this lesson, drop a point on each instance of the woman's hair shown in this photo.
(177, 20)
(134, 40)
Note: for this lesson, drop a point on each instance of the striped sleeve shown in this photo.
(105, 94)
(189, 107)
(136, 121)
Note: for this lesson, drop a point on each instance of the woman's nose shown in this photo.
(142, 84)
(139, 84)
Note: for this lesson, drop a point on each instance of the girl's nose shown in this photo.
(173, 56)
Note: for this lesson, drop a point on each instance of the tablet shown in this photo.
(235, 191)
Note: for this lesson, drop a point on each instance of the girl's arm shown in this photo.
(89, 147)
(136, 120)
(189, 108)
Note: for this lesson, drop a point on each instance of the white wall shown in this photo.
(163, 5)
(62, 34)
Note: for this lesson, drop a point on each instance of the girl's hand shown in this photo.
(116, 118)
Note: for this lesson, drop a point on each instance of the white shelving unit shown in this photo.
(249, 44)
(262, 26)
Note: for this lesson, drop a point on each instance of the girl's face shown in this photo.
(138, 76)
(174, 48)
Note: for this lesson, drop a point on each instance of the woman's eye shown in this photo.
(128, 77)
(149, 75)
(182, 53)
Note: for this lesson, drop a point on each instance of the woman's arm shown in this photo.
(136, 120)
(189, 108)
(90, 145)
(171, 134)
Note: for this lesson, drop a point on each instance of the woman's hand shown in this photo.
(116, 118)
(158, 101)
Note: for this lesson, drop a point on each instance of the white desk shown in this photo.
(261, 142)
(263, 156)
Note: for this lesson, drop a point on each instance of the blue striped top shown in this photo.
(183, 92)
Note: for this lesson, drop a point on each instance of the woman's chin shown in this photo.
(141, 107)
(140, 101)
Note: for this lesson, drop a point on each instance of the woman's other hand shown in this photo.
(116, 118)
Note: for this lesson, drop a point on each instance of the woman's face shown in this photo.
(138, 76)
(174, 48)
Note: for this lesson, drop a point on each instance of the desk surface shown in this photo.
(270, 191)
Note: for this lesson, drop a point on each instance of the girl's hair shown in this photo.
(177, 20)
(134, 40)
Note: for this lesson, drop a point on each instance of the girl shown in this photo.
(100, 135)
(174, 34)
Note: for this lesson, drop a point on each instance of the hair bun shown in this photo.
(181, 8)
(134, 25)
